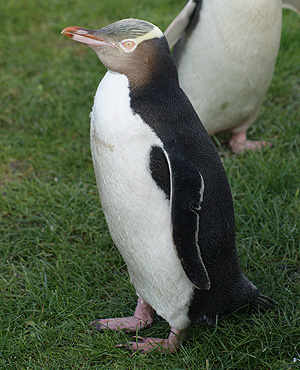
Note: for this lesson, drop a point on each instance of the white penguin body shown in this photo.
(121, 143)
(231, 52)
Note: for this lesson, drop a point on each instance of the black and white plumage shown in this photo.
(226, 52)
(162, 186)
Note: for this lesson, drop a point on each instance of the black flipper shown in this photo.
(186, 195)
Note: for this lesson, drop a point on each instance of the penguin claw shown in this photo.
(97, 327)
(120, 345)
(130, 346)
(139, 339)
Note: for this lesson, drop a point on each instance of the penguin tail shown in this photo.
(261, 303)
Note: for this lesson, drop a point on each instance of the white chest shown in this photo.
(136, 209)
(120, 144)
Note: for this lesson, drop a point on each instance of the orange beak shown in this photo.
(87, 37)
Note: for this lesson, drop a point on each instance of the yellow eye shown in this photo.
(128, 44)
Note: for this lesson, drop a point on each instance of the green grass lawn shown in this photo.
(59, 267)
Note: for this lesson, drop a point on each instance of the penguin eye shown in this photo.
(128, 44)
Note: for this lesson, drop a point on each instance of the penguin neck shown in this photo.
(154, 67)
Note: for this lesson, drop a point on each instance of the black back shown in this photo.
(166, 109)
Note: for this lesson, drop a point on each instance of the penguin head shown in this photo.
(129, 46)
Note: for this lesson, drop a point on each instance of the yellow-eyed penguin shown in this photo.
(225, 51)
(163, 189)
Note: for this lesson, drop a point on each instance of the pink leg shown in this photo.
(142, 318)
(239, 143)
(172, 343)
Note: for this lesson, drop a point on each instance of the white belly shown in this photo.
(229, 61)
(136, 210)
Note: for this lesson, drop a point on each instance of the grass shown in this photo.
(59, 268)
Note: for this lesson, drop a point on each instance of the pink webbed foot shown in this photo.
(239, 143)
(144, 345)
(142, 318)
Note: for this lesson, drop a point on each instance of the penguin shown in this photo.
(163, 189)
(225, 52)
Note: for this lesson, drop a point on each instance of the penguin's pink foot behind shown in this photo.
(239, 143)
(142, 318)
